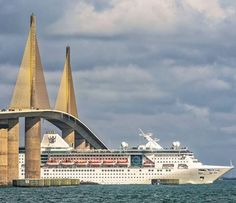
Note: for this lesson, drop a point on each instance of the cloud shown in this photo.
(201, 112)
(229, 129)
(211, 9)
(127, 74)
(119, 84)
(134, 16)
(12, 72)
(216, 84)
(207, 78)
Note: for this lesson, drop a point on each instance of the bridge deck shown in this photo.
(60, 119)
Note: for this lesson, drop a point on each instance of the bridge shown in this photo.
(62, 120)
(30, 101)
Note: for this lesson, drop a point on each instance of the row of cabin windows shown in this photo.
(112, 176)
(172, 161)
(130, 174)
(171, 155)
(108, 174)
(93, 170)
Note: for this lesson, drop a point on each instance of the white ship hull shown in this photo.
(133, 176)
(116, 175)
(135, 166)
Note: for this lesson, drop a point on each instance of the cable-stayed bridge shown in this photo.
(30, 101)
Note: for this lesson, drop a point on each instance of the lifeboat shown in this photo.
(109, 162)
(52, 162)
(148, 163)
(95, 162)
(67, 162)
(81, 163)
(122, 162)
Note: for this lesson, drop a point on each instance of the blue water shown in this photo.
(220, 191)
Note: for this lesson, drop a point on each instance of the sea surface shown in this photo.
(220, 191)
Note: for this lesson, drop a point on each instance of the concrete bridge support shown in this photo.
(32, 147)
(13, 150)
(82, 144)
(75, 140)
(3, 156)
(69, 136)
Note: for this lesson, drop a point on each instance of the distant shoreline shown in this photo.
(225, 178)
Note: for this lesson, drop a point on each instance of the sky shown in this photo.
(165, 66)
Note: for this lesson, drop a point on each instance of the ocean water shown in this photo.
(220, 191)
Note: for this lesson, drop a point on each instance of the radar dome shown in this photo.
(176, 144)
(124, 145)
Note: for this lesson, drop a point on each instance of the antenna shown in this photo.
(142, 133)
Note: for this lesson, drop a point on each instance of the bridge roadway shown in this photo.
(60, 119)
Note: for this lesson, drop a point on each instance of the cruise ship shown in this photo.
(146, 164)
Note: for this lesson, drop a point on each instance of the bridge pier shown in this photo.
(82, 144)
(13, 150)
(68, 135)
(74, 140)
(32, 147)
(3, 156)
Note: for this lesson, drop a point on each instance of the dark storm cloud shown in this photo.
(14, 14)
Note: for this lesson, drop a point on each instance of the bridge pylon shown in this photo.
(30, 92)
(66, 102)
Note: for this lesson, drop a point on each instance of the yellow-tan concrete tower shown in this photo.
(66, 101)
(3, 156)
(30, 89)
(66, 98)
(30, 93)
(13, 149)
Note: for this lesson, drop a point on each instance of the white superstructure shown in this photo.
(145, 164)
